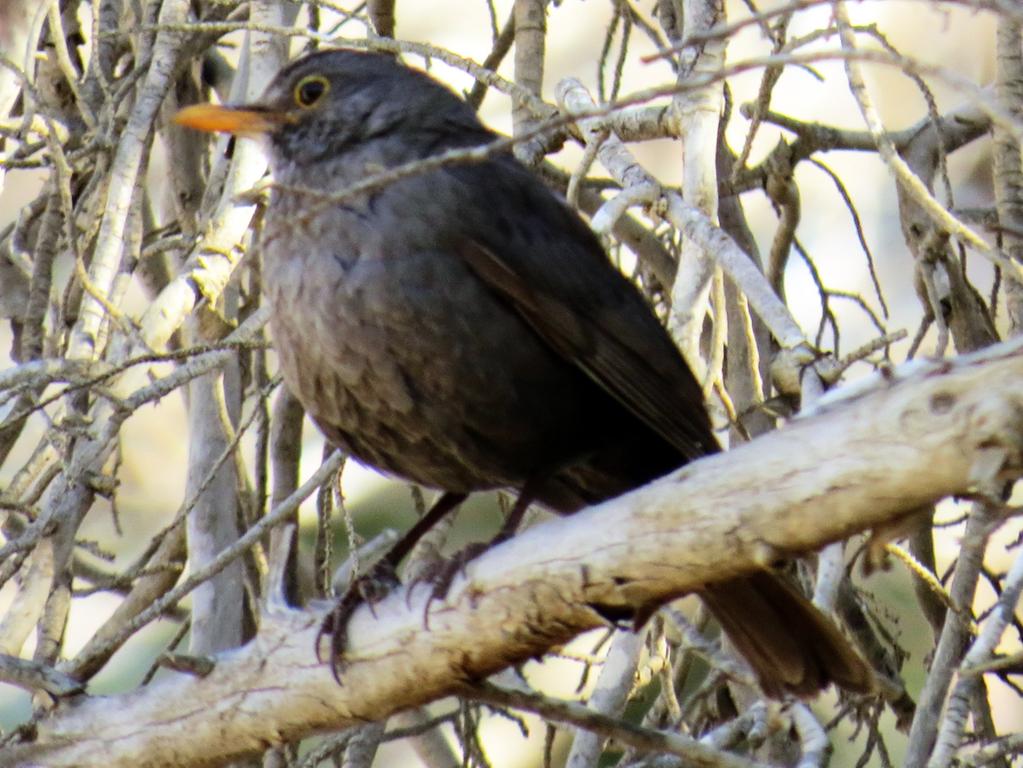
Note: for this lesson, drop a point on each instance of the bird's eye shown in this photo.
(310, 90)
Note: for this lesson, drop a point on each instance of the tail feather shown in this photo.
(792, 647)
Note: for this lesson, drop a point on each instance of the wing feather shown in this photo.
(553, 271)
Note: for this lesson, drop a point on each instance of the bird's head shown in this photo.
(325, 105)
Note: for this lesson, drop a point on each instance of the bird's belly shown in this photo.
(413, 367)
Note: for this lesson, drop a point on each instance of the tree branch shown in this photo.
(869, 455)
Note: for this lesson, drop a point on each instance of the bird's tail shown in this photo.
(791, 646)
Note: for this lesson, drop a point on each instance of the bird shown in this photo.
(464, 329)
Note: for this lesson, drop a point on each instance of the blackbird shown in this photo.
(464, 329)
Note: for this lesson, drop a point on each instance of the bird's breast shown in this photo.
(406, 359)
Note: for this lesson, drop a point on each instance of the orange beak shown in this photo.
(236, 120)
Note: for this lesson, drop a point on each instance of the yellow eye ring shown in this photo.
(310, 90)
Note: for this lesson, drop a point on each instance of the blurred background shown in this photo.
(152, 460)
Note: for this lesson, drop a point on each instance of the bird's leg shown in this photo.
(518, 511)
(442, 578)
(434, 515)
(365, 587)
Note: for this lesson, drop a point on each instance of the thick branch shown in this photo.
(864, 459)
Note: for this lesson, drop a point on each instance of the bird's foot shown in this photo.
(377, 582)
(374, 586)
(442, 574)
(370, 589)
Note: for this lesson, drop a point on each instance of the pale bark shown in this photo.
(698, 111)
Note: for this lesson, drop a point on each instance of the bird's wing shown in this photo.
(542, 258)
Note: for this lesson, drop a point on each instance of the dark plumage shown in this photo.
(463, 328)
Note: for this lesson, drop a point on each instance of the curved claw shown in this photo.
(369, 589)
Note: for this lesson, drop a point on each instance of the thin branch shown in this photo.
(695, 752)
